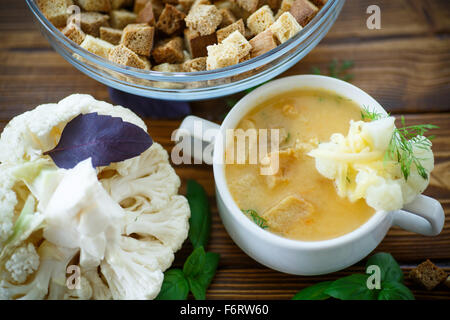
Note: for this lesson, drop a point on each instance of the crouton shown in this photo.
(303, 11)
(95, 5)
(139, 5)
(158, 8)
(171, 20)
(186, 4)
(285, 27)
(111, 35)
(146, 15)
(248, 5)
(204, 19)
(97, 46)
(122, 55)
(262, 43)
(221, 55)
(167, 67)
(225, 32)
(139, 38)
(227, 18)
(118, 4)
(195, 65)
(260, 20)
(428, 275)
(90, 22)
(169, 51)
(284, 7)
(55, 10)
(288, 213)
(74, 33)
(238, 40)
(196, 44)
(121, 18)
(319, 3)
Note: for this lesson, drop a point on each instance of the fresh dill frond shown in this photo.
(337, 69)
(260, 221)
(402, 144)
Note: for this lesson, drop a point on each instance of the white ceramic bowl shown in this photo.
(424, 215)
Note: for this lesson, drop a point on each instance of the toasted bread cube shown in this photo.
(303, 11)
(55, 10)
(169, 51)
(158, 8)
(225, 32)
(121, 18)
(171, 20)
(260, 20)
(97, 46)
(167, 67)
(284, 7)
(74, 33)
(262, 43)
(196, 44)
(227, 18)
(186, 4)
(221, 56)
(285, 27)
(146, 15)
(122, 55)
(195, 65)
(204, 19)
(95, 5)
(319, 3)
(118, 4)
(248, 5)
(90, 22)
(288, 213)
(238, 40)
(111, 35)
(139, 5)
(139, 38)
(428, 275)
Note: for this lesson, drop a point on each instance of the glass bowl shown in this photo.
(195, 85)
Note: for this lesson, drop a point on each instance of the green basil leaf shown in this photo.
(200, 221)
(390, 270)
(174, 287)
(195, 263)
(197, 289)
(392, 290)
(353, 287)
(199, 282)
(315, 292)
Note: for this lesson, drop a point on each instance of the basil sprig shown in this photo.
(200, 267)
(354, 287)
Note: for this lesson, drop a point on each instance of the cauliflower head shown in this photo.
(119, 225)
(359, 170)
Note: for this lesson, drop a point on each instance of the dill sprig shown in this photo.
(337, 69)
(260, 221)
(402, 144)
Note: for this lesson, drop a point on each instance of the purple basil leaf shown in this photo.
(105, 139)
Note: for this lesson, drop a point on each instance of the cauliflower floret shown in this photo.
(120, 223)
(356, 164)
(36, 131)
(23, 262)
(50, 278)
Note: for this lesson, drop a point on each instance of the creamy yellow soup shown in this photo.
(297, 202)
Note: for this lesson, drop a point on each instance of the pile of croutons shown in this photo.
(180, 35)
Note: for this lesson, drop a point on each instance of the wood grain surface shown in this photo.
(405, 66)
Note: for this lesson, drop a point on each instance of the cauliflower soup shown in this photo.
(297, 202)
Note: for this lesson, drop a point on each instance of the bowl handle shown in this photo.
(194, 139)
(424, 215)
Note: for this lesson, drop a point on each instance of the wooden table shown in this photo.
(405, 66)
